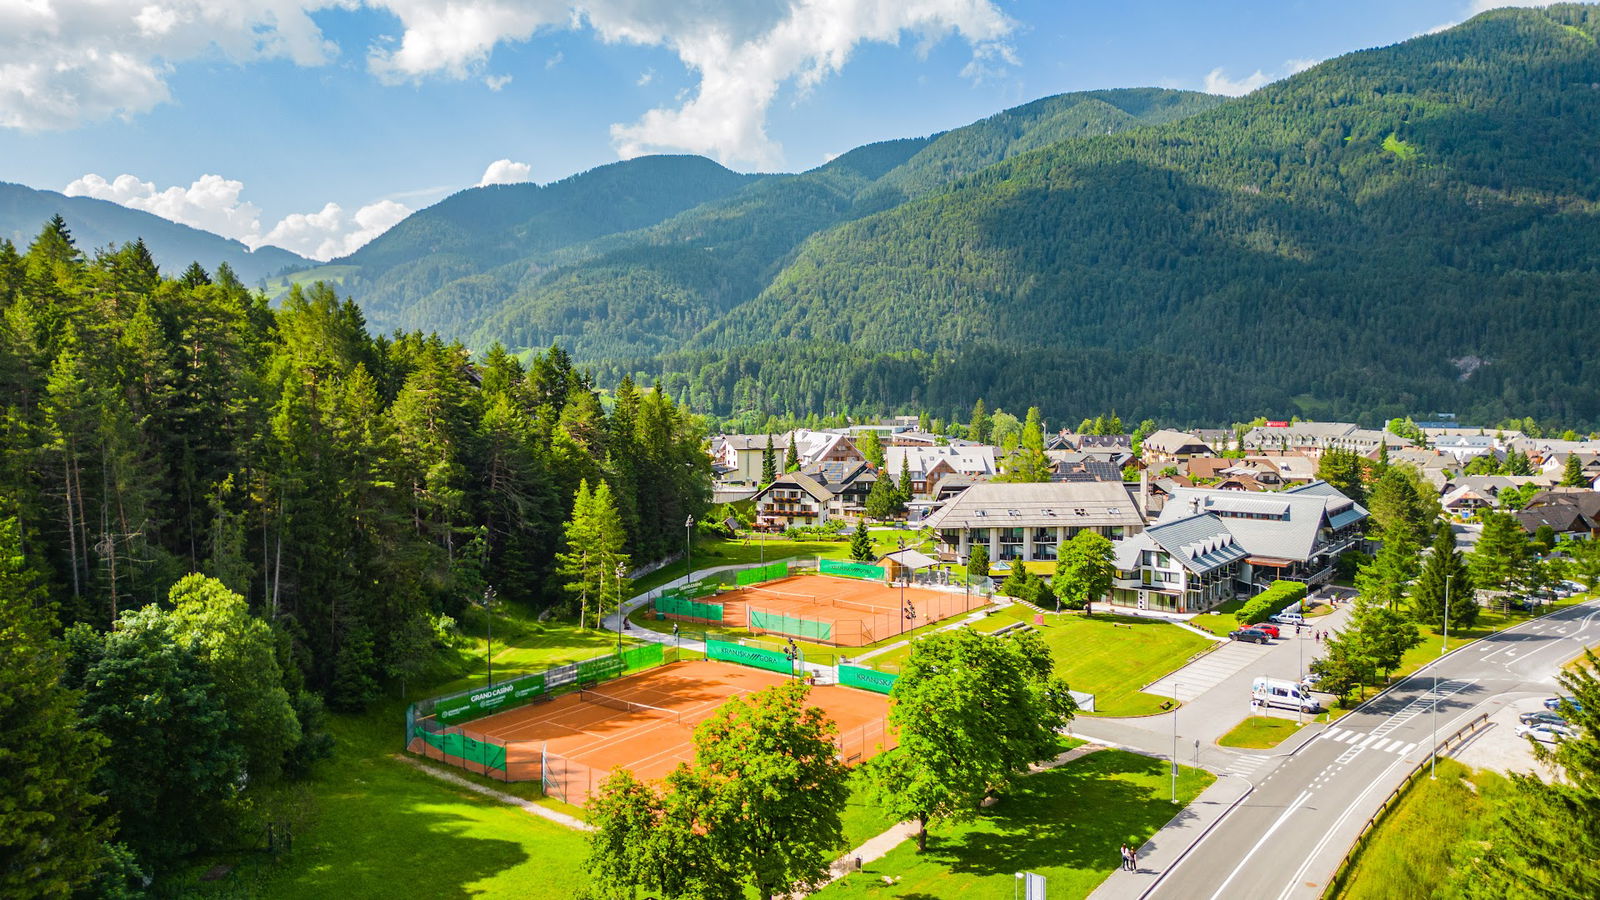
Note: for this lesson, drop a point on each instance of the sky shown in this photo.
(314, 125)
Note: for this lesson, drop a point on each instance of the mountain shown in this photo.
(101, 223)
(1408, 228)
(646, 289)
(472, 232)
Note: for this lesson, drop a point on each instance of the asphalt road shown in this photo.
(1288, 837)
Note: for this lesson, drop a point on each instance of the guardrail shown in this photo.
(1457, 737)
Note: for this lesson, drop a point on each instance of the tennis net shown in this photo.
(617, 703)
(782, 595)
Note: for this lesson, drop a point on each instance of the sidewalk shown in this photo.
(1167, 847)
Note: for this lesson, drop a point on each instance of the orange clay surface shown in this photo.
(861, 612)
(651, 743)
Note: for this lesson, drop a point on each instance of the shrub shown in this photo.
(1270, 602)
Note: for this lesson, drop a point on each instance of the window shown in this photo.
(1010, 543)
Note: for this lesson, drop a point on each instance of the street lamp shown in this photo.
(1174, 742)
(1433, 760)
(622, 569)
(688, 550)
(488, 614)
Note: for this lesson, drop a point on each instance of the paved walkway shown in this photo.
(528, 806)
(1208, 671)
(1172, 843)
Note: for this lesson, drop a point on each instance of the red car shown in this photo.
(1268, 628)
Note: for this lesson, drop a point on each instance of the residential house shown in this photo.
(1466, 494)
(1577, 508)
(1076, 465)
(1168, 446)
(1029, 521)
(927, 465)
(1466, 447)
(815, 495)
(1315, 437)
(737, 457)
(1187, 564)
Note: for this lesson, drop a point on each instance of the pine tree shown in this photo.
(769, 464)
(1501, 558)
(1444, 576)
(978, 561)
(978, 424)
(861, 549)
(1572, 474)
(1385, 579)
(792, 461)
(50, 835)
(576, 564)
(904, 487)
(871, 446)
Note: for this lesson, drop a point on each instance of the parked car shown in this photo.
(1541, 718)
(1286, 694)
(1269, 629)
(1288, 618)
(1311, 681)
(1548, 734)
(1554, 703)
(1253, 635)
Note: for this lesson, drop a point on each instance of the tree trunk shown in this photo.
(922, 834)
(72, 529)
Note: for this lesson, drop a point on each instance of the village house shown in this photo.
(815, 495)
(1168, 446)
(927, 465)
(1315, 437)
(736, 458)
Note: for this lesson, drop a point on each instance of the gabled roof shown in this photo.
(1282, 525)
(1037, 505)
(789, 481)
(1169, 441)
(1201, 542)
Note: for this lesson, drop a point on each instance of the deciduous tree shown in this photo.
(1085, 569)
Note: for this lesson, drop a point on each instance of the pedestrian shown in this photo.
(1125, 858)
(1133, 860)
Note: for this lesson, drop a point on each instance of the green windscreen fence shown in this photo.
(851, 569)
(674, 605)
(755, 657)
(472, 750)
(794, 626)
(768, 572)
(867, 679)
(645, 657)
(477, 704)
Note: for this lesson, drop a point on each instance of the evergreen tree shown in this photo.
(871, 446)
(50, 835)
(1028, 462)
(792, 460)
(978, 561)
(1572, 473)
(978, 423)
(883, 501)
(1384, 580)
(904, 487)
(1501, 558)
(577, 562)
(1343, 470)
(1444, 577)
(769, 464)
(861, 549)
(1396, 508)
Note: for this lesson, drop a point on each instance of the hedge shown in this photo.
(1270, 602)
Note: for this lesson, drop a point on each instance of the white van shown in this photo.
(1284, 694)
(1288, 618)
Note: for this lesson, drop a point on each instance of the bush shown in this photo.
(830, 530)
(1270, 602)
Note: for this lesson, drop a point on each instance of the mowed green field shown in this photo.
(1065, 824)
(1113, 657)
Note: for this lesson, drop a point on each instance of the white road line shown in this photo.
(1311, 857)
(1304, 796)
(1409, 747)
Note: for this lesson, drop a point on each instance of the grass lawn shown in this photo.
(862, 818)
(1221, 620)
(1113, 657)
(1065, 824)
(1407, 855)
(1260, 732)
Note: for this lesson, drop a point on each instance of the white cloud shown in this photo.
(555, 60)
(213, 203)
(330, 233)
(743, 53)
(496, 82)
(66, 62)
(1218, 83)
(504, 171)
(1481, 6)
(1296, 66)
(645, 77)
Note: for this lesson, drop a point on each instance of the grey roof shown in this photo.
(911, 558)
(1072, 503)
(1169, 441)
(1201, 542)
(1307, 509)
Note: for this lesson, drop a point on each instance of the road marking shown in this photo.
(1409, 747)
(1294, 883)
(1304, 796)
(1243, 766)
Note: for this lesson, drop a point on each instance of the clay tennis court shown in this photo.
(846, 612)
(579, 741)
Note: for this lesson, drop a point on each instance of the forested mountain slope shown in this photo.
(98, 224)
(1408, 227)
(646, 291)
(475, 230)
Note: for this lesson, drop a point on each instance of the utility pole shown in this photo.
(621, 571)
(1174, 742)
(488, 615)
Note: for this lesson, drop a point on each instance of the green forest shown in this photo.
(1398, 230)
(239, 514)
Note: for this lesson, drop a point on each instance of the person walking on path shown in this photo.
(1124, 857)
(1133, 860)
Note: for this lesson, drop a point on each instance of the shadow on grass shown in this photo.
(1075, 816)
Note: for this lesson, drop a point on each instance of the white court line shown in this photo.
(1304, 796)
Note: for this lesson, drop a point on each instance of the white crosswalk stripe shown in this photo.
(1358, 742)
(1245, 765)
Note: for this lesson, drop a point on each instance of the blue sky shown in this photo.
(315, 124)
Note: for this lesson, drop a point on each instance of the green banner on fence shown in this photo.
(756, 657)
(492, 756)
(600, 668)
(643, 657)
(851, 569)
(768, 572)
(810, 629)
(867, 679)
(476, 704)
(689, 609)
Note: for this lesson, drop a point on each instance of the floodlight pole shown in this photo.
(688, 551)
(622, 570)
(488, 615)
